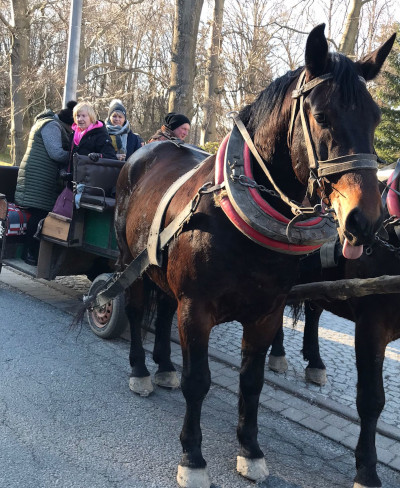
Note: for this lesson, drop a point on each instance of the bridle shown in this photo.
(320, 169)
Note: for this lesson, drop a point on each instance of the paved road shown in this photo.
(69, 420)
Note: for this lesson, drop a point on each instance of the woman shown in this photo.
(177, 126)
(125, 142)
(90, 137)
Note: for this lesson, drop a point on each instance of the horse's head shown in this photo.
(331, 137)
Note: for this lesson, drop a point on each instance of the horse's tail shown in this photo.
(151, 294)
(296, 311)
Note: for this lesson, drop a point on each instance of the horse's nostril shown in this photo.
(359, 227)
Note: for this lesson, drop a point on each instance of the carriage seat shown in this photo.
(96, 182)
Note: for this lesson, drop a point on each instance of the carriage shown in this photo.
(82, 245)
(199, 238)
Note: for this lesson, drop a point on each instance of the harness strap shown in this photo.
(119, 282)
(246, 136)
(153, 248)
(346, 163)
(395, 174)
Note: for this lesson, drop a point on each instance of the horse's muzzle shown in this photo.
(359, 230)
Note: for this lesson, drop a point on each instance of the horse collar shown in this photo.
(253, 216)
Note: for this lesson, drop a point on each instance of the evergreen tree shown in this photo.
(387, 135)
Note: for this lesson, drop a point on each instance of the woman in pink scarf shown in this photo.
(90, 137)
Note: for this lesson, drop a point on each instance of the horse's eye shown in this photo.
(321, 119)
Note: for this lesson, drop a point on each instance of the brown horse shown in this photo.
(376, 325)
(211, 272)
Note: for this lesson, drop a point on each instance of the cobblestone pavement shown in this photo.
(329, 410)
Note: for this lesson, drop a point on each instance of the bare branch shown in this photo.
(6, 23)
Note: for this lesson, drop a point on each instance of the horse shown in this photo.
(214, 270)
(375, 327)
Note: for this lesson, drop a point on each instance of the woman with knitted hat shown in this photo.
(176, 127)
(125, 142)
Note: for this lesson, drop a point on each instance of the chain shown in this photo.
(246, 181)
(393, 220)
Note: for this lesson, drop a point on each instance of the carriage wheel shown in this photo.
(110, 320)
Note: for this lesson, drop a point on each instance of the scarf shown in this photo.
(119, 135)
(78, 134)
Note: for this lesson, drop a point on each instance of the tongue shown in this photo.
(351, 252)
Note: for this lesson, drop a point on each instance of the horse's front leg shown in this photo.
(166, 374)
(194, 331)
(257, 337)
(316, 370)
(370, 345)
(136, 299)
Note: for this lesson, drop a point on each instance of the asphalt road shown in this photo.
(68, 419)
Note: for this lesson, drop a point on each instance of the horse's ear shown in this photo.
(370, 65)
(316, 51)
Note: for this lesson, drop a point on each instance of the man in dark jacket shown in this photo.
(46, 153)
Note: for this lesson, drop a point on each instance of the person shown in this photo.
(37, 186)
(176, 127)
(125, 142)
(90, 136)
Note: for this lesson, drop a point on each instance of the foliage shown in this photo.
(211, 147)
(387, 136)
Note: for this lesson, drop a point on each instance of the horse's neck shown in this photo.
(280, 167)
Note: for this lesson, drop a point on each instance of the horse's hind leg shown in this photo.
(277, 357)
(166, 374)
(194, 330)
(140, 379)
(316, 370)
(257, 336)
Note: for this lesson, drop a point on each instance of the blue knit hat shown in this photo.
(116, 106)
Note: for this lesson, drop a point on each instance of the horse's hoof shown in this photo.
(253, 469)
(167, 379)
(317, 376)
(141, 386)
(193, 478)
(278, 364)
(357, 485)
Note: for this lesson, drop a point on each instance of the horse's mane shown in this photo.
(267, 107)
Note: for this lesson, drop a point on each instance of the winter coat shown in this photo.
(163, 134)
(95, 141)
(123, 139)
(37, 174)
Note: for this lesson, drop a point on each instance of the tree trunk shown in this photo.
(19, 56)
(208, 128)
(186, 26)
(348, 42)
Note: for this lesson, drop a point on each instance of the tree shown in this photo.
(19, 29)
(183, 62)
(208, 128)
(387, 140)
(348, 42)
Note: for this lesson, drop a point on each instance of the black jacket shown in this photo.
(95, 141)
